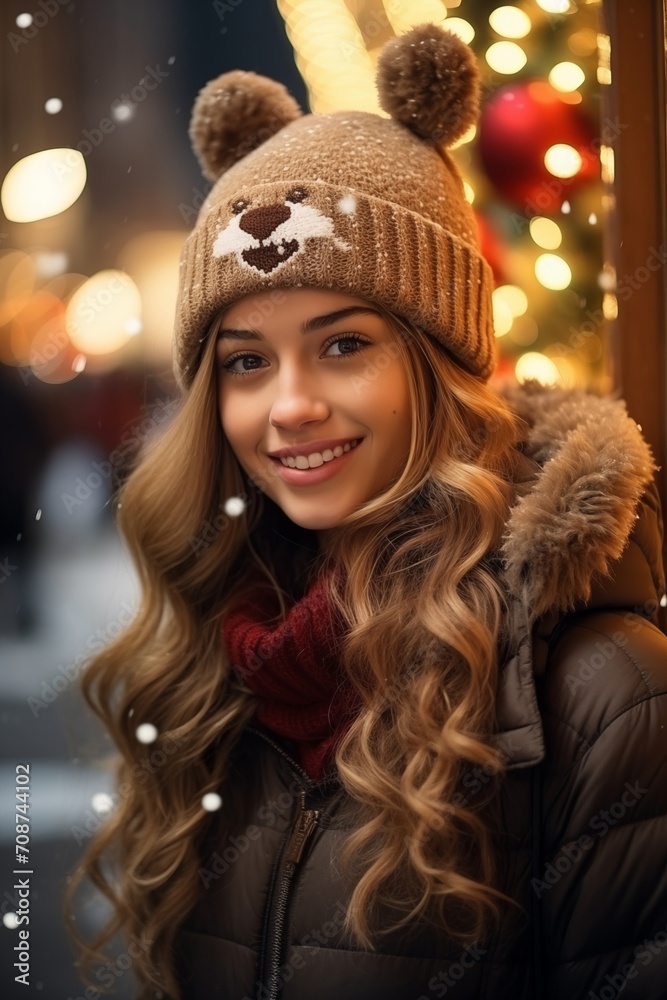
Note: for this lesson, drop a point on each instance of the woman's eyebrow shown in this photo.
(316, 323)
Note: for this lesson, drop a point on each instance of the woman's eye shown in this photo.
(353, 339)
(228, 365)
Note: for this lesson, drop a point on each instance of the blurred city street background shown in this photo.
(104, 93)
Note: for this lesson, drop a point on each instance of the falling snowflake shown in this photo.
(348, 204)
(211, 801)
(146, 732)
(102, 802)
(234, 506)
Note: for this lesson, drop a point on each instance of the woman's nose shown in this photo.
(296, 397)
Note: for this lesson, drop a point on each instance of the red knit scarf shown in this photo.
(294, 669)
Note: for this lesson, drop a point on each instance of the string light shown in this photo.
(552, 271)
(566, 76)
(506, 57)
(514, 297)
(326, 45)
(100, 311)
(43, 184)
(555, 6)
(403, 16)
(512, 22)
(562, 160)
(604, 59)
(502, 315)
(607, 169)
(538, 366)
(545, 232)
(462, 28)
(609, 305)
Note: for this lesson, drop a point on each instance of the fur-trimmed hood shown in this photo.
(586, 532)
(579, 514)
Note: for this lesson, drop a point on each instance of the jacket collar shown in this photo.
(566, 539)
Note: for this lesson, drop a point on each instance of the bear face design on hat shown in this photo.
(265, 238)
(367, 205)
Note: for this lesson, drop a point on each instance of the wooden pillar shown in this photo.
(636, 231)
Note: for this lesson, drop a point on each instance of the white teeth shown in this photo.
(317, 458)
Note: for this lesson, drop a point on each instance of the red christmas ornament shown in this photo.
(519, 123)
(492, 247)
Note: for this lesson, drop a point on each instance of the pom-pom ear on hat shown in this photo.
(234, 114)
(428, 79)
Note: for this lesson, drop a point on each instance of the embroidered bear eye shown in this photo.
(297, 194)
(239, 206)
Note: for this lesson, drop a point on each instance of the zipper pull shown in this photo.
(302, 832)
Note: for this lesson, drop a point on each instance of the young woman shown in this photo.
(397, 649)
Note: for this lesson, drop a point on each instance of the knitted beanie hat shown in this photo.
(365, 205)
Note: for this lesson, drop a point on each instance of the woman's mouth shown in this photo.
(317, 458)
(314, 468)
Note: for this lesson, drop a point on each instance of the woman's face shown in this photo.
(321, 369)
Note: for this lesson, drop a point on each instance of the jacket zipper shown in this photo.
(302, 830)
(308, 781)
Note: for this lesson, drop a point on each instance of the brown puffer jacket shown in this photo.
(582, 709)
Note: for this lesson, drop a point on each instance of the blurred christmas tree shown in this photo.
(534, 168)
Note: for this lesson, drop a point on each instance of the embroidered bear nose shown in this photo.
(260, 222)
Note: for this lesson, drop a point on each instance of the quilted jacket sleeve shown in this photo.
(603, 880)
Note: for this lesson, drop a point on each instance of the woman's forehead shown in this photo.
(306, 301)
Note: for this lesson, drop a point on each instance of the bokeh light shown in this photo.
(538, 366)
(566, 76)
(563, 160)
(99, 312)
(506, 57)
(545, 233)
(512, 22)
(43, 184)
(552, 271)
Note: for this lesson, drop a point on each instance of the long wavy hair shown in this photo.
(423, 649)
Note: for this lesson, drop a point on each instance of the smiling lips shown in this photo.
(317, 458)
